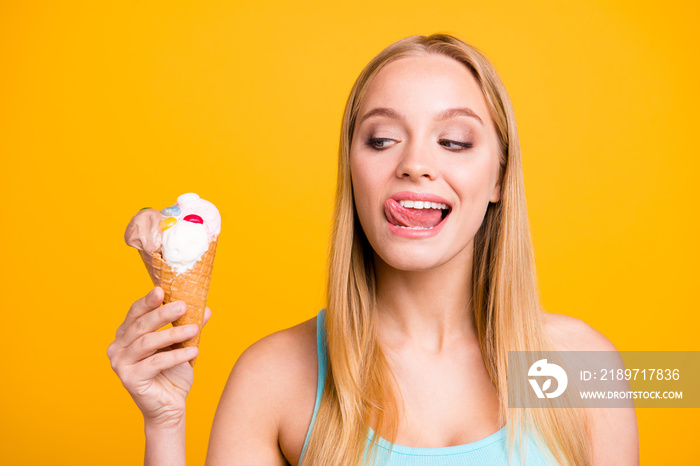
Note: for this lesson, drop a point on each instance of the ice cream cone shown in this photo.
(192, 286)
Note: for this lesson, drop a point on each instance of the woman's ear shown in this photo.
(496, 193)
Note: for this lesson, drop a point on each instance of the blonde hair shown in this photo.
(505, 301)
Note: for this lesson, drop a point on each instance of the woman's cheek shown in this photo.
(360, 189)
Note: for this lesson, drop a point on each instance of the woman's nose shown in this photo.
(416, 162)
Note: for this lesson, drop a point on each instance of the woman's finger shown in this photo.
(152, 321)
(207, 316)
(151, 343)
(151, 301)
(164, 360)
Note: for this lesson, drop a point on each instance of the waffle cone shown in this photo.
(192, 286)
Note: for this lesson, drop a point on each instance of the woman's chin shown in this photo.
(414, 260)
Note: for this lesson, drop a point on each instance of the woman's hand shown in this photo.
(151, 366)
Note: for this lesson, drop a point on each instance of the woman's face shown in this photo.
(423, 138)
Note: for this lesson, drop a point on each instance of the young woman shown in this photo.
(431, 282)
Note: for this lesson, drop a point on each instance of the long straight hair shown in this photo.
(359, 387)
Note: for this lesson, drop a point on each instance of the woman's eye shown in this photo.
(455, 145)
(380, 143)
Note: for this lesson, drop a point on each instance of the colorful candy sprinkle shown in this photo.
(194, 218)
(143, 208)
(167, 223)
(172, 211)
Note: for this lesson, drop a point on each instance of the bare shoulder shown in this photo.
(268, 400)
(613, 431)
(568, 333)
(286, 354)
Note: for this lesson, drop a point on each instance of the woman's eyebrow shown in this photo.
(383, 111)
(455, 112)
(444, 115)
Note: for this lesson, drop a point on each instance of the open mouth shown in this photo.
(415, 215)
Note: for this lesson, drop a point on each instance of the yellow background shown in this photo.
(107, 107)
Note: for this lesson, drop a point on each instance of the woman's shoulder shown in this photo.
(568, 333)
(268, 401)
(278, 350)
(284, 363)
(613, 431)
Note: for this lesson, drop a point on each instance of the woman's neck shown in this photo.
(429, 308)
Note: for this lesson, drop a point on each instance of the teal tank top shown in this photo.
(489, 451)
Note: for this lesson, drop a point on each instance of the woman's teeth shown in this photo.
(423, 205)
(415, 228)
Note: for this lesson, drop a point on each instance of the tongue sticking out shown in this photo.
(411, 218)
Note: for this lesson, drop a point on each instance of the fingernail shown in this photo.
(192, 329)
(192, 350)
(178, 308)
